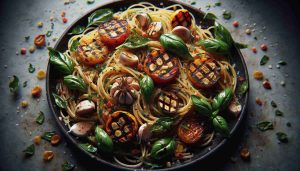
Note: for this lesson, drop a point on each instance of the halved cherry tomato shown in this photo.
(190, 130)
(114, 32)
(161, 67)
(203, 72)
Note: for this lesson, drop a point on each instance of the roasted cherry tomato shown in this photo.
(190, 130)
(114, 32)
(40, 40)
(181, 17)
(169, 102)
(121, 126)
(161, 67)
(204, 73)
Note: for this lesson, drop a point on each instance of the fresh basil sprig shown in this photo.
(62, 63)
(40, 118)
(14, 84)
(221, 33)
(48, 135)
(202, 106)
(100, 16)
(75, 83)
(220, 125)
(104, 142)
(77, 30)
(147, 86)
(162, 125)
(134, 41)
(67, 166)
(74, 45)
(88, 147)
(59, 101)
(162, 148)
(215, 46)
(222, 100)
(175, 45)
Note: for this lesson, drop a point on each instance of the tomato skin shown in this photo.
(190, 130)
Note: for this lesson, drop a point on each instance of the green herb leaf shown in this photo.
(134, 41)
(40, 119)
(210, 16)
(215, 46)
(218, 4)
(221, 33)
(193, 3)
(241, 45)
(162, 125)
(147, 86)
(49, 33)
(281, 62)
(264, 125)
(226, 15)
(243, 88)
(77, 30)
(29, 151)
(25, 84)
(202, 106)
(162, 148)
(27, 38)
(31, 68)
(100, 16)
(59, 101)
(282, 137)
(264, 60)
(273, 104)
(67, 166)
(14, 84)
(222, 100)
(104, 142)
(48, 135)
(74, 45)
(61, 62)
(88, 147)
(221, 126)
(75, 83)
(90, 1)
(278, 112)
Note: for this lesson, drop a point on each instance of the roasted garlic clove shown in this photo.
(183, 33)
(143, 21)
(128, 59)
(85, 107)
(144, 132)
(235, 107)
(155, 30)
(81, 129)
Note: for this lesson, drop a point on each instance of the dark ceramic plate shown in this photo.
(199, 154)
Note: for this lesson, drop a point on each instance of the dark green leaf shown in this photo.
(226, 15)
(162, 148)
(134, 41)
(77, 30)
(90, 1)
(162, 125)
(40, 119)
(218, 4)
(278, 112)
(75, 83)
(100, 16)
(243, 88)
(221, 126)
(48, 135)
(193, 3)
(264, 125)
(282, 137)
(25, 84)
(74, 45)
(210, 16)
(215, 46)
(67, 166)
(273, 104)
(241, 45)
(59, 101)
(147, 86)
(61, 62)
(104, 142)
(29, 151)
(222, 100)
(288, 124)
(202, 106)
(221, 33)
(281, 62)
(14, 84)
(49, 33)
(264, 60)
(88, 147)
(27, 38)
(31, 69)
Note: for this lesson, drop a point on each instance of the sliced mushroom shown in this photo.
(81, 129)
(143, 21)
(183, 33)
(85, 107)
(145, 132)
(128, 59)
(155, 30)
(235, 107)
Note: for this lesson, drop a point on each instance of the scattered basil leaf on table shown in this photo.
(264, 125)
(193, 3)
(59, 101)
(29, 151)
(243, 88)
(264, 60)
(147, 86)
(61, 62)
(31, 68)
(273, 104)
(77, 30)
(67, 166)
(282, 137)
(75, 83)
(90, 1)
(222, 100)
(162, 125)
(201, 105)
(100, 16)
(88, 147)
(281, 62)
(226, 15)
(162, 148)
(220, 125)
(74, 45)
(48, 135)
(210, 16)
(40, 119)
(25, 84)
(13, 84)
(134, 41)
(278, 112)
(218, 4)
(241, 45)
(49, 33)
(104, 142)
(215, 46)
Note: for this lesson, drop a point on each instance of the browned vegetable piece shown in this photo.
(37, 139)
(181, 17)
(48, 155)
(36, 91)
(190, 130)
(40, 40)
(55, 139)
(245, 154)
(169, 102)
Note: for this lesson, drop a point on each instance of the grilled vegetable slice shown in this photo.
(155, 30)
(121, 126)
(161, 67)
(204, 73)
(181, 17)
(169, 102)
(114, 32)
(190, 130)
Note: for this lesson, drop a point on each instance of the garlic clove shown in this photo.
(85, 107)
(144, 132)
(155, 30)
(81, 129)
(182, 32)
(143, 20)
(128, 99)
(128, 59)
(235, 107)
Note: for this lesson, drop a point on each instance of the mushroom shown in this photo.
(155, 30)
(235, 107)
(81, 129)
(183, 33)
(145, 132)
(85, 107)
(143, 21)
(128, 59)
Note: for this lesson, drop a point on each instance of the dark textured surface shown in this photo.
(276, 23)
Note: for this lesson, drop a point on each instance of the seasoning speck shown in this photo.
(40, 24)
(264, 47)
(22, 51)
(248, 31)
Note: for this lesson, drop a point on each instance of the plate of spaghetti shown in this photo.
(147, 85)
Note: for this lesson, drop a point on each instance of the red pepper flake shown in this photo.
(267, 84)
(258, 101)
(235, 24)
(109, 104)
(65, 20)
(254, 50)
(264, 47)
(140, 67)
(63, 14)
(23, 51)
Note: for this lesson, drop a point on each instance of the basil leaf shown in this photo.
(74, 45)
(226, 15)
(31, 69)
(62, 63)
(104, 141)
(59, 101)
(77, 30)
(162, 148)
(222, 100)
(134, 41)
(241, 45)
(14, 84)
(88, 147)
(264, 60)
(40, 119)
(49, 33)
(67, 166)
(201, 105)
(281, 62)
(264, 125)
(243, 88)
(25, 84)
(48, 135)
(221, 126)
(29, 151)
(90, 1)
(210, 16)
(273, 104)
(100, 16)
(278, 112)
(282, 137)
(218, 4)
(215, 46)
(221, 33)
(147, 87)
(175, 45)
(162, 125)
(75, 83)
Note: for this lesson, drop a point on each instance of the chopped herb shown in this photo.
(210, 16)
(265, 125)
(88, 147)
(193, 3)
(74, 45)
(273, 104)
(281, 62)
(14, 84)
(90, 1)
(27, 38)
(40, 119)
(241, 45)
(243, 87)
(31, 68)
(67, 166)
(77, 30)
(29, 151)
(218, 4)
(49, 33)
(226, 15)
(282, 137)
(288, 124)
(264, 60)
(25, 84)
(278, 113)
(48, 135)
(59, 101)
